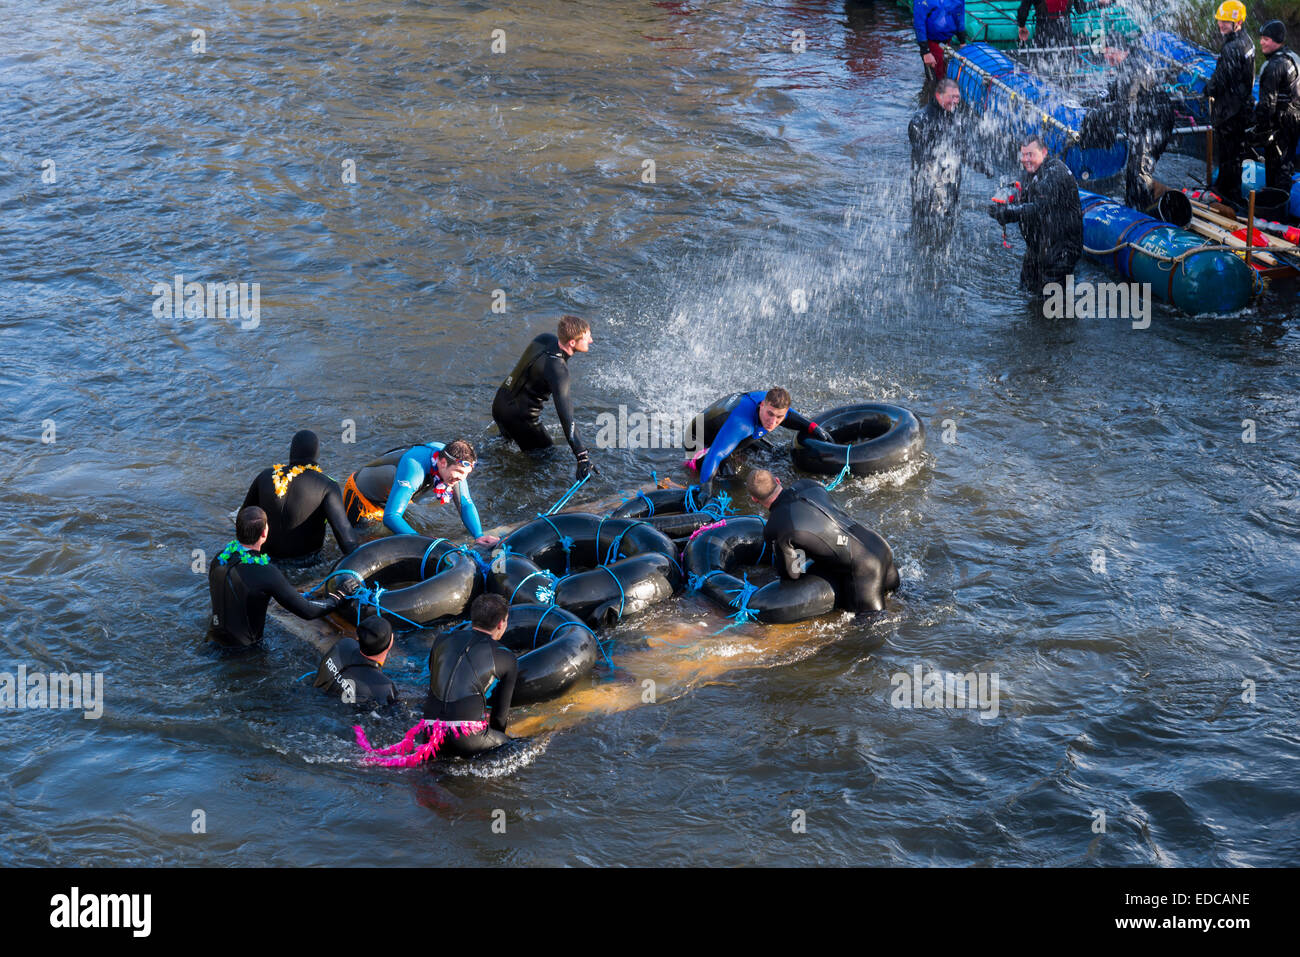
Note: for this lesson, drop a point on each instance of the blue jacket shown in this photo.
(415, 472)
(938, 20)
(743, 424)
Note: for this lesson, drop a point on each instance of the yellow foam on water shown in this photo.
(677, 657)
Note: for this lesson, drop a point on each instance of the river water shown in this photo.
(1106, 518)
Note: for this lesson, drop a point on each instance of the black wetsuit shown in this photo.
(240, 592)
(1052, 25)
(857, 561)
(1051, 221)
(462, 665)
(1139, 105)
(542, 372)
(939, 146)
(1277, 116)
(297, 521)
(369, 684)
(1232, 88)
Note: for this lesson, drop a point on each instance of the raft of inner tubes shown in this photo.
(566, 575)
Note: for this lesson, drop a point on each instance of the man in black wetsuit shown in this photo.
(464, 664)
(242, 582)
(805, 528)
(1050, 217)
(1277, 114)
(353, 669)
(1232, 95)
(298, 500)
(542, 372)
(1138, 105)
(939, 144)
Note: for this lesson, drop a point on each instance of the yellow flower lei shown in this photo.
(281, 481)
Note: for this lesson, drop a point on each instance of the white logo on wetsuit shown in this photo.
(841, 539)
(404, 483)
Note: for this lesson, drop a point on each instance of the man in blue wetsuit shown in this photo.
(757, 414)
(395, 480)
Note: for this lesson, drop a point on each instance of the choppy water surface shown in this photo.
(1095, 530)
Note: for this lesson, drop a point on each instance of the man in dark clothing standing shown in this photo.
(298, 501)
(1138, 105)
(542, 372)
(464, 665)
(805, 528)
(1050, 217)
(939, 145)
(242, 582)
(1232, 97)
(1277, 115)
(1053, 27)
(353, 669)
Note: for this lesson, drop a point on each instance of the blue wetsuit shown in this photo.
(416, 473)
(743, 425)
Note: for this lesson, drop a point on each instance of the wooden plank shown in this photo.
(1201, 211)
(1210, 231)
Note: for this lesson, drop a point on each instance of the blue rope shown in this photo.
(719, 506)
(564, 499)
(432, 545)
(484, 566)
(600, 646)
(338, 571)
(555, 582)
(741, 603)
(565, 541)
(696, 582)
(689, 498)
(300, 677)
(538, 630)
(649, 504)
(612, 553)
(622, 596)
(572, 624)
(364, 597)
(844, 472)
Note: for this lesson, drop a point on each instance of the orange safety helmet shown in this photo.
(1234, 11)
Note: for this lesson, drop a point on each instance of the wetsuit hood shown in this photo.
(304, 449)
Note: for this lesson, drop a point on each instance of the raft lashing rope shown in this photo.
(600, 569)
(673, 511)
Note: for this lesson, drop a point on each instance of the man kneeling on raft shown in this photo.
(398, 479)
(804, 526)
(464, 665)
(298, 501)
(242, 582)
(353, 669)
(757, 414)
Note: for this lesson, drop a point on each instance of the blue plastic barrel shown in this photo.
(1215, 281)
